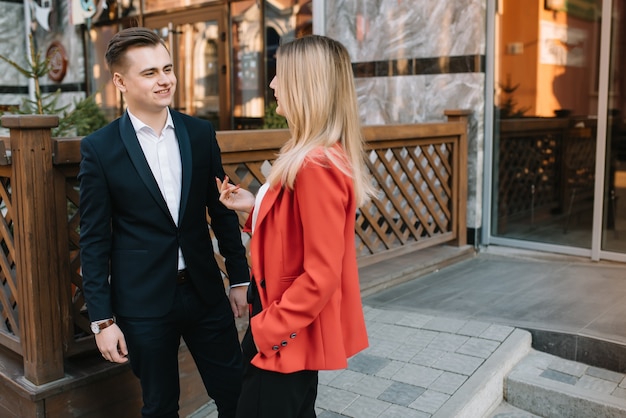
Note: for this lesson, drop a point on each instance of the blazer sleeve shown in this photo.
(225, 223)
(95, 233)
(323, 222)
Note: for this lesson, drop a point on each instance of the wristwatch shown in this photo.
(98, 326)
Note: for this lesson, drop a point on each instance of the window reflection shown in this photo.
(285, 21)
(254, 49)
(547, 101)
(614, 215)
(111, 10)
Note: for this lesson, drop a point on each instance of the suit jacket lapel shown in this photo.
(129, 138)
(184, 144)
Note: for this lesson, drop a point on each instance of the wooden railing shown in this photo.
(420, 170)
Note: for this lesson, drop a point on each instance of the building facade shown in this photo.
(547, 154)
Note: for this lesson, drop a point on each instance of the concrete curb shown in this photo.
(483, 391)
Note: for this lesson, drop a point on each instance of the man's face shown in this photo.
(147, 79)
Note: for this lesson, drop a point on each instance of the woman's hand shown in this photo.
(234, 197)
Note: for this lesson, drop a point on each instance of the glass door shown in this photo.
(614, 214)
(197, 42)
(558, 179)
(547, 56)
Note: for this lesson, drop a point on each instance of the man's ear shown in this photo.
(118, 81)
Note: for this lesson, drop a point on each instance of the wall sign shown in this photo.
(57, 57)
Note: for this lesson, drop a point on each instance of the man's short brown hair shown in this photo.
(126, 39)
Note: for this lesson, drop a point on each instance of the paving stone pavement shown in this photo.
(414, 365)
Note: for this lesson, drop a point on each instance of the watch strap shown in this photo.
(104, 323)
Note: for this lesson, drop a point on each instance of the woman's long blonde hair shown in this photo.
(318, 99)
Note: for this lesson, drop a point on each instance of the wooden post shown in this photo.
(461, 115)
(37, 261)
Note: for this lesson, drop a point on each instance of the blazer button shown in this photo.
(283, 343)
(263, 283)
(293, 335)
(275, 348)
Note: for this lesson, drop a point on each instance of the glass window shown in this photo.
(284, 21)
(111, 10)
(106, 94)
(247, 47)
(614, 215)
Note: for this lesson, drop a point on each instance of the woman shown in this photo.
(306, 310)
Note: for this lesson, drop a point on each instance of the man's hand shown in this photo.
(238, 300)
(112, 344)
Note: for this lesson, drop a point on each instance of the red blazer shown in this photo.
(303, 259)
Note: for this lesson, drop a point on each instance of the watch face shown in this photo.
(95, 328)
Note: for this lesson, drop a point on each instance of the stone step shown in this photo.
(482, 392)
(551, 387)
(506, 410)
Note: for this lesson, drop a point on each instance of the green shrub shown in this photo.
(273, 120)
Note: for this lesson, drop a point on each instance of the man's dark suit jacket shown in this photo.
(127, 231)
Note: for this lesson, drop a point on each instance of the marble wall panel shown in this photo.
(398, 47)
(388, 29)
(12, 40)
(419, 99)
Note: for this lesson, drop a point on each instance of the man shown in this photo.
(149, 272)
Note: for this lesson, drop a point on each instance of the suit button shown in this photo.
(283, 343)
(263, 283)
(275, 348)
(293, 335)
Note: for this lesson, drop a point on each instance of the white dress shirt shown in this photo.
(257, 203)
(163, 156)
